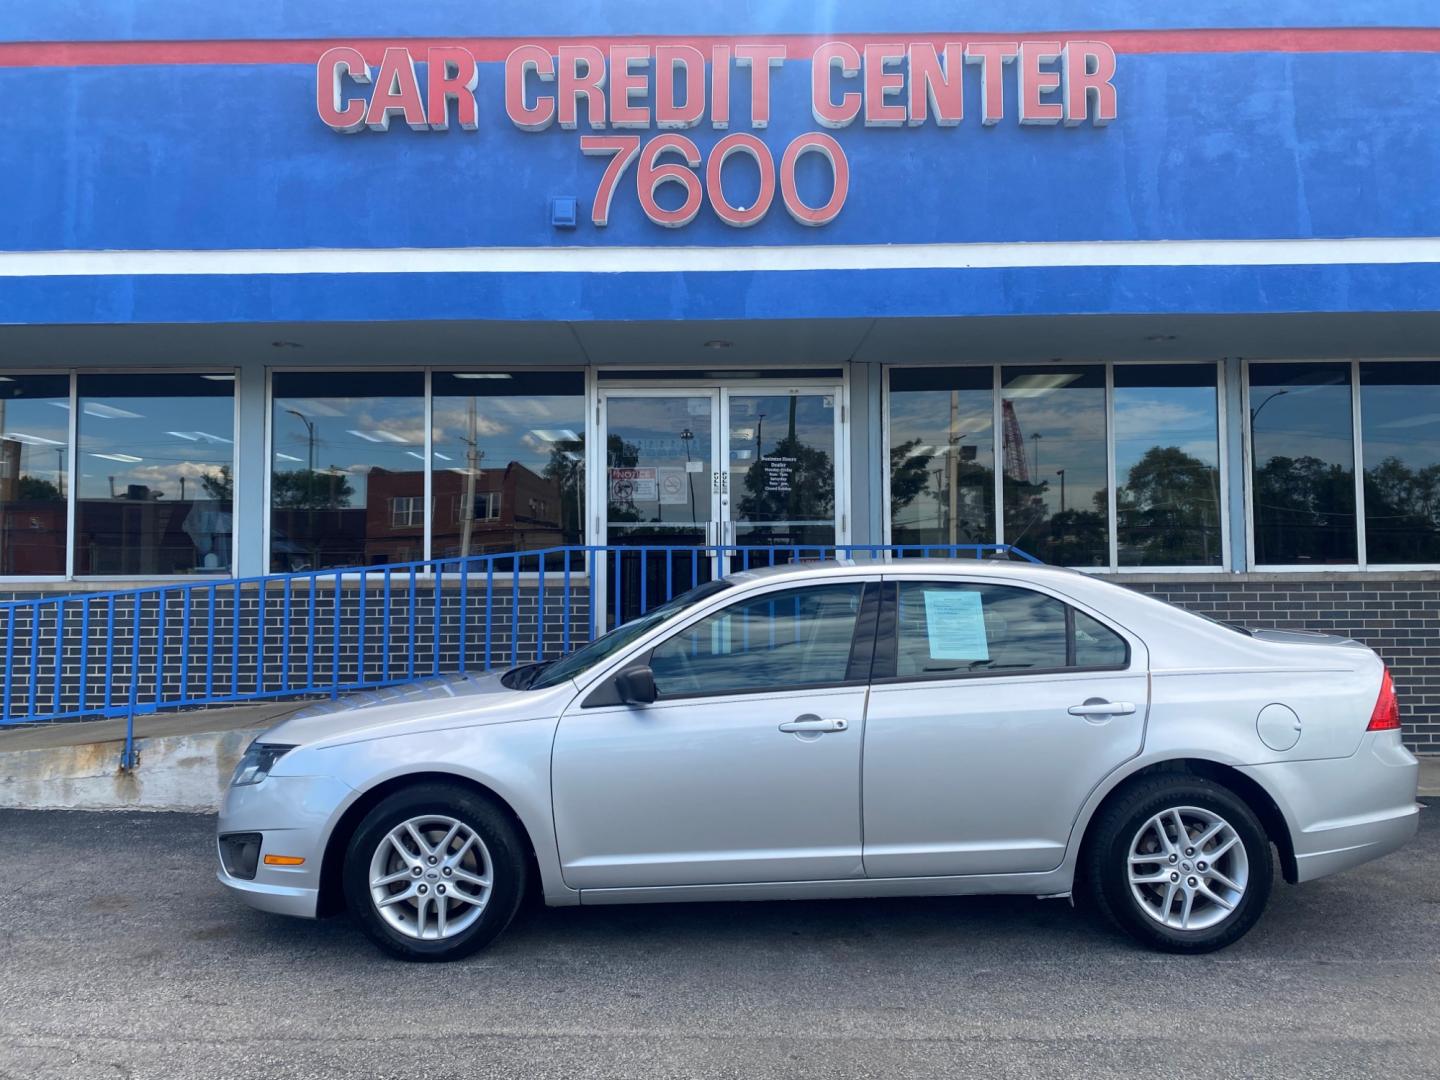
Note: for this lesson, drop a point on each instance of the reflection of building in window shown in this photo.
(487, 506)
(516, 509)
(407, 512)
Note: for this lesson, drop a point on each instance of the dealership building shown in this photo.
(1151, 294)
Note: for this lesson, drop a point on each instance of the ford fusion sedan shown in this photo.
(899, 729)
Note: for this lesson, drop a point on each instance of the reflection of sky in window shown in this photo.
(1401, 422)
(521, 429)
(926, 416)
(352, 436)
(1300, 411)
(1148, 417)
(1063, 428)
(39, 427)
(155, 442)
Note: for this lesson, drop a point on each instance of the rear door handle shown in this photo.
(1101, 707)
(813, 725)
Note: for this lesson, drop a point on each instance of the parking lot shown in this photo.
(120, 957)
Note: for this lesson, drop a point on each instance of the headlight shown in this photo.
(259, 759)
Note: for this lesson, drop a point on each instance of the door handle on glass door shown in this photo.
(813, 725)
(1101, 707)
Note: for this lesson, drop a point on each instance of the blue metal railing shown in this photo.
(187, 644)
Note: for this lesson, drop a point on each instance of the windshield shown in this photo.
(606, 645)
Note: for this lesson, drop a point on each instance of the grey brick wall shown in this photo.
(1397, 615)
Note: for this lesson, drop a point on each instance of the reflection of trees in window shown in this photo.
(1304, 511)
(794, 482)
(1169, 510)
(1402, 512)
(306, 490)
(566, 469)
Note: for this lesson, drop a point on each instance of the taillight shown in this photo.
(1386, 715)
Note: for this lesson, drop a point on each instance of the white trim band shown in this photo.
(619, 260)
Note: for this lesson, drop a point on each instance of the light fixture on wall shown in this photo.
(480, 375)
(718, 343)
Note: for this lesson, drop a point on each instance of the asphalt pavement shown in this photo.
(121, 957)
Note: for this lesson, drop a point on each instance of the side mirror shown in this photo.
(636, 686)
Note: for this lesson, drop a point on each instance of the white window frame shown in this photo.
(1113, 566)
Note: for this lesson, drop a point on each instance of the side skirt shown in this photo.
(1051, 883)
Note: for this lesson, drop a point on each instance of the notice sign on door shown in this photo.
(955, 625)
(633, 485)
(673, 485)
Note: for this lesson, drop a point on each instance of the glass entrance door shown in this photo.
(781, 491)
(712, 480)
(661, 491)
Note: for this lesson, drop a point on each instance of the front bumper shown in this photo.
(1346, 811)
(293, 815)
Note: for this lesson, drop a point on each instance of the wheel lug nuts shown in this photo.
(1192, 882)
(1174, 857)
(440, 889)
(447, 871)
(1188, 851)
(424, 889)
(415, 870)
(1174, 877)
(1200, 866)
(432, 860)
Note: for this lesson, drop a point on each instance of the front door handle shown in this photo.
(813, 725)
(1101, 707)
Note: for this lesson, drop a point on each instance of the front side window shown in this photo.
(779, 641)
(345, 448)
(34, 465)
(155, 474)
(1303, 460)
(951, 629)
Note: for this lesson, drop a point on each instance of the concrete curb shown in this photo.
(177, 772)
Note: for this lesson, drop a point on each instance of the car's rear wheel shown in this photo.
(434, 872)
(1181, 863)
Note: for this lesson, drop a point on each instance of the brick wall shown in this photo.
(1397, 615)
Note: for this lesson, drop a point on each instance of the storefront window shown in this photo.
(34, 466)
(155, 474)
(942, 455)
(1053, 434)
(347, 483)
(1303, 457)
(509, 461)
(1400, 425)
(1167, 465)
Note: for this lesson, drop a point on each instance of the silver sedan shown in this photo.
(900, 729)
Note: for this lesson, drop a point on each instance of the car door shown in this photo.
(746, 768)
(994, 711)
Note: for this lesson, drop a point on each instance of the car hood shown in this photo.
(445, 701)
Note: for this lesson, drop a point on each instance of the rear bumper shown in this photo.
(1346, 811)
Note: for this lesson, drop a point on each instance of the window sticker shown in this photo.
(955, 625)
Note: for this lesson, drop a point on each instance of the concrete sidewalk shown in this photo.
(185, 760)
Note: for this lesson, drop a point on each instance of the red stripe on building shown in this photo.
(798, 47)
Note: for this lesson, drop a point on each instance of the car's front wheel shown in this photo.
(434, 872)
(1181, 863)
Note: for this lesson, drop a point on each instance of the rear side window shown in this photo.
(948, 629)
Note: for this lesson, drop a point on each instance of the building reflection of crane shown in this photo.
(1017, 463)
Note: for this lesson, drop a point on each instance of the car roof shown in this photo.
(999, 568)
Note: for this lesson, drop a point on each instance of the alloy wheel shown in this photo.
(431, 877)
(1188, 868)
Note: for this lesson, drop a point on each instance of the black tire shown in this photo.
(1105, 866)
(508, 862)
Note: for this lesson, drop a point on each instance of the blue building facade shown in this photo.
(331, 285)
